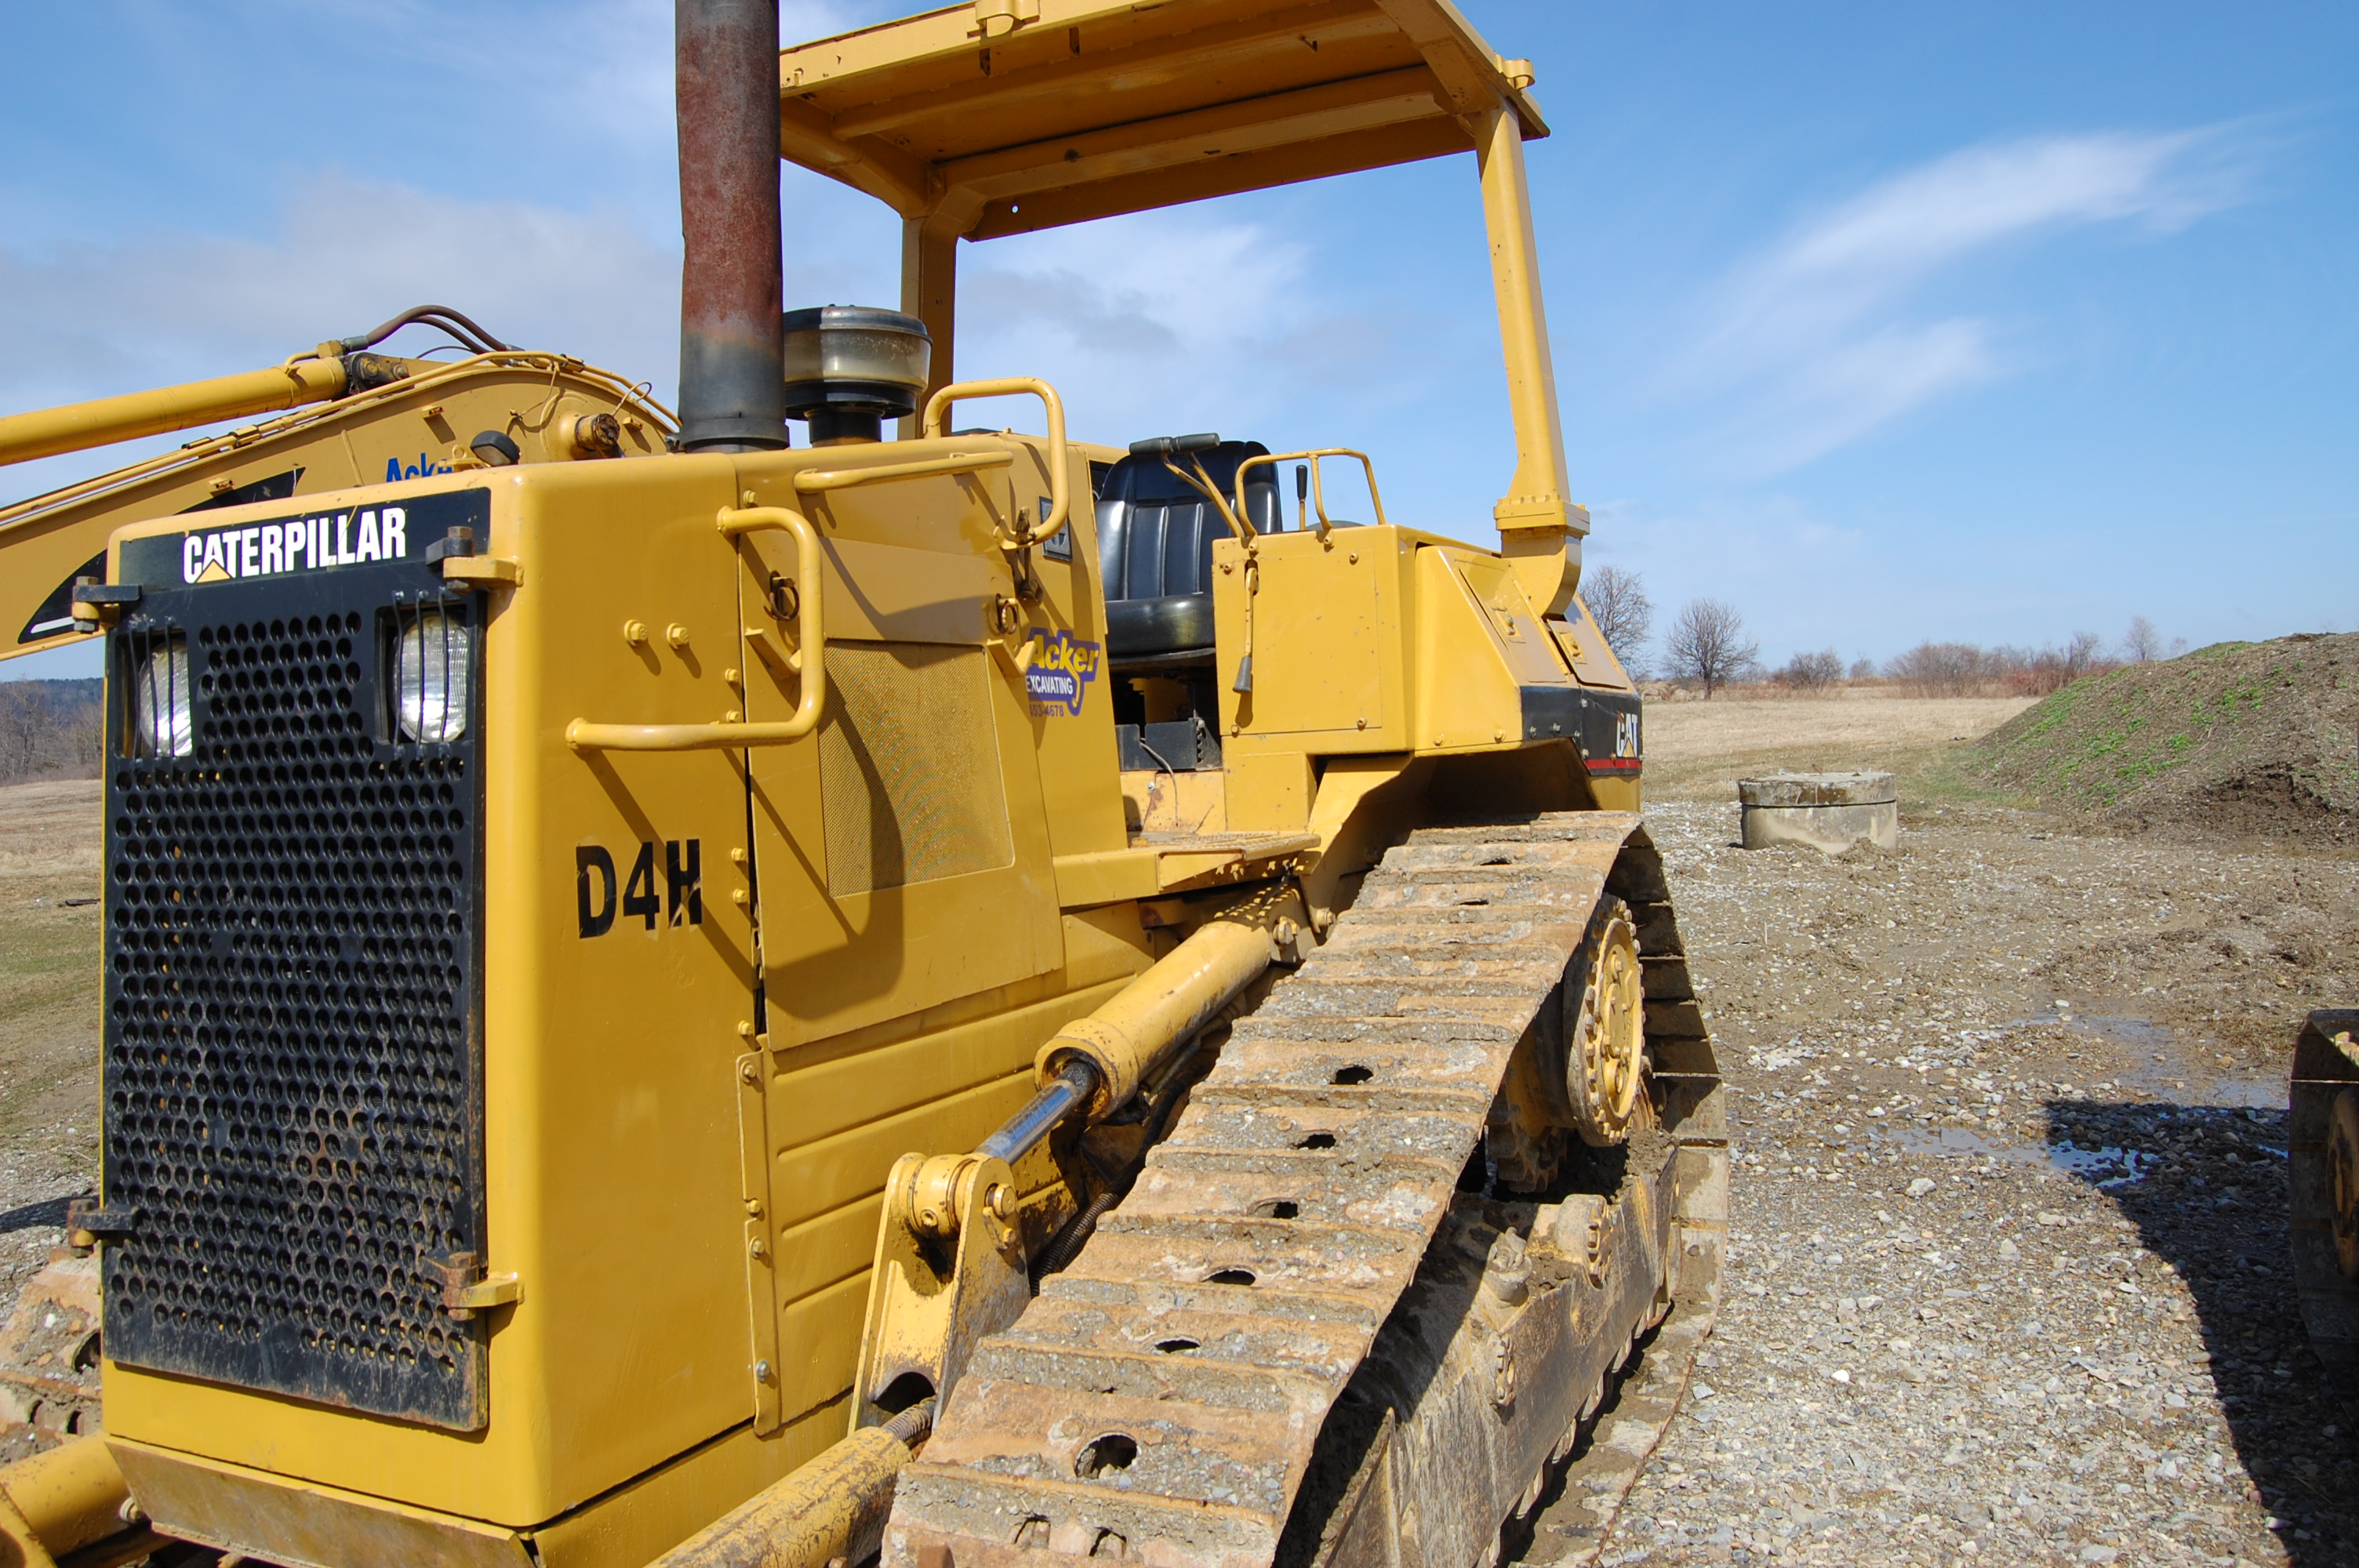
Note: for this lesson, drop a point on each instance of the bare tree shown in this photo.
(1863, 668)
(1961, 669)
(1707, 644)
(2037, 674)
(1941, 669)
(49, 729)
(1625, 615)
(2141, 645)
(1810, 674)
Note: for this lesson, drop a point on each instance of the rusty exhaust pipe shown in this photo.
(731, 357)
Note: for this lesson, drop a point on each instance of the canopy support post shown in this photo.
(929, 292)
(1540, 531)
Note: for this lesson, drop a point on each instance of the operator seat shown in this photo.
(1155, 545)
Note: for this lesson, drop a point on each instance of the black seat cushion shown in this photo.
(1155, 547)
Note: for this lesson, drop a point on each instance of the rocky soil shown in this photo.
(2250, 738)
(2009, 1280)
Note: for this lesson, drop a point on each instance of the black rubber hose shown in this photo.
(450, 322)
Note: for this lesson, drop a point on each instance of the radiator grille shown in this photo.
(292, 1080)
(909, 766)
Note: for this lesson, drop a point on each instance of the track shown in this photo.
(1167, 1396)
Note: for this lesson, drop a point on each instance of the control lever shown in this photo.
(1170, 446)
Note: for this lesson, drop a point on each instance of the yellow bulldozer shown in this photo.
(972, 998)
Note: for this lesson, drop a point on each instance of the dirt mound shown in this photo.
(2238, 737)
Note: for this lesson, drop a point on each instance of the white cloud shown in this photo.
(1164, 322)
(1146, 323)
(1986, 193)
(80, 320)
(1806, 343)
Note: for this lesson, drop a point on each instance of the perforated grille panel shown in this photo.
(293, 1100)
(909, 766)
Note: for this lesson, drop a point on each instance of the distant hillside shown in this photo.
(2239, 737)
(49, 730)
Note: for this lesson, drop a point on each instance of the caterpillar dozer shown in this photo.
(968, 999)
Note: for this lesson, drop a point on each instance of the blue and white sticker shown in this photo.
(1058, 679)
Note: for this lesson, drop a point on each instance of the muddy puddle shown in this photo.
(2161, 1072)
(2107, 1165)
(2170, 1070)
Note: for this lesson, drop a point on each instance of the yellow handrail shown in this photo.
(1318, 491)
(938, 411)
(810, 660)
(815, 479)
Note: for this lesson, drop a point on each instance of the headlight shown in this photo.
(159, 702)
(430, 677)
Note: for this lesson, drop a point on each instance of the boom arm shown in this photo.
(385, 419)
(46, 432)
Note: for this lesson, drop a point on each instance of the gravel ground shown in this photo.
(2008, 1281)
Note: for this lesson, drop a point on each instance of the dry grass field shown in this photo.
(50, 862)
(1697, 750)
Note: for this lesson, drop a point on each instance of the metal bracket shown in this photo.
(997, 18)
(89, 1221)
(94, 604)
(467, 1290)
(455, 555)
(949, 1272)
(455, 543)
(481, 571)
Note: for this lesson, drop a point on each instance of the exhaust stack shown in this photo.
(732, 370)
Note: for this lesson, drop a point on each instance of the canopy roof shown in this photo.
(1003, 116)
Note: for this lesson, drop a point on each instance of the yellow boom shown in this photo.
(46, 432)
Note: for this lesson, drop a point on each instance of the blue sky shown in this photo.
(1990, 323)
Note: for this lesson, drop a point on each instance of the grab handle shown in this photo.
(938, 409)
(807, 660)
